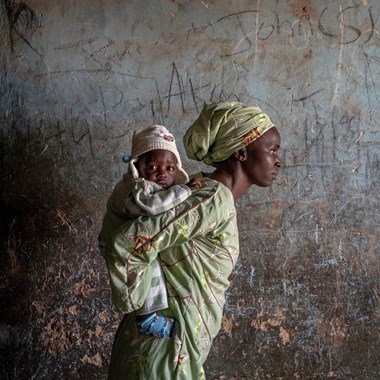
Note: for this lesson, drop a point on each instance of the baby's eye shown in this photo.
(171, 168)
(152, 167)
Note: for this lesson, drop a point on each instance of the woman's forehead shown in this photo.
(271, 137)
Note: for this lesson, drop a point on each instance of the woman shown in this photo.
(197, 243)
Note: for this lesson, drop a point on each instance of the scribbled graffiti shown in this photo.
(19, 21)
(304, 301)
(306, 24)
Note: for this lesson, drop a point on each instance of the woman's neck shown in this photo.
(234, 179)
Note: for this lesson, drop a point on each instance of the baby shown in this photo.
(154, 183)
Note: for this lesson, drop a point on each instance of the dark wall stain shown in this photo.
(305, 299)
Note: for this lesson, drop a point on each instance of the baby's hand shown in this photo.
(194, 183)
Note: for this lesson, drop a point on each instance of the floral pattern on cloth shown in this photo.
(197, 243)
(221, 129)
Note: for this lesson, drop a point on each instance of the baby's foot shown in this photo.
(157, 325)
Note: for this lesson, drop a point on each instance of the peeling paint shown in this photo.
(304, 301)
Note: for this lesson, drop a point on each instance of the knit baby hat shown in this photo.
(155, 137)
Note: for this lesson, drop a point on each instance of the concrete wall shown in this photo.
(78, 77)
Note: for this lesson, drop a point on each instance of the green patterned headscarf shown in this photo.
(222, 129)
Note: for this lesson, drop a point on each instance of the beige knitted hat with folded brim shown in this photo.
(155, 137)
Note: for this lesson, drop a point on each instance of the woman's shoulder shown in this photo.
(212, 189)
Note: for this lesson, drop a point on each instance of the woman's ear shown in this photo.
(241, 154)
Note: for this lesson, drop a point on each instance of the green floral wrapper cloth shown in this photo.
(222, 129)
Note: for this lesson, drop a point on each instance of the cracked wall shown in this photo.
(79, 77)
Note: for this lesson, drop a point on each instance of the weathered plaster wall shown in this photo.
(78, 77)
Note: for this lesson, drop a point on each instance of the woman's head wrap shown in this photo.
(222, 129)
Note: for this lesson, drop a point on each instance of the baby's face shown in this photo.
(158, 165)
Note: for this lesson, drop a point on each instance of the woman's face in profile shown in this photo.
(263, 161)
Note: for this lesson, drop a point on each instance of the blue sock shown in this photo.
(157, 325)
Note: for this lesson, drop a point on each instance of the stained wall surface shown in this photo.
(78, 77)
